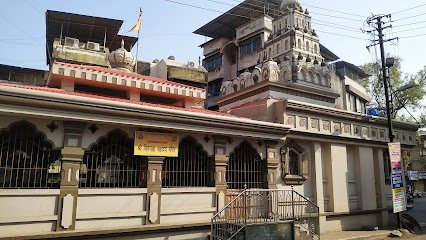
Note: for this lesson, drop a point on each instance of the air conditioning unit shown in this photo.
(191, 64)
(71, 42)
(92, 46)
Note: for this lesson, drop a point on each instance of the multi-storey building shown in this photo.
(417, 164)
(265, 62)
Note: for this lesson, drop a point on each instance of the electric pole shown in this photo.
(385, 77)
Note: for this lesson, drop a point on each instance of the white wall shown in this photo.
(103, 208)
(26, 211)
(179, 205)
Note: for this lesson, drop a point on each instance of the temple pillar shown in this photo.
(153, 196)
(72, 155)
(221, 162)
(272, 158)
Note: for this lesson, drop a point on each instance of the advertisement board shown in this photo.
(398, 189)
(156, 144)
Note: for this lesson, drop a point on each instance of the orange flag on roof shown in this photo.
(137, 26)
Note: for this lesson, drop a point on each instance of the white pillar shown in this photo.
(319, 188)
(380, 185)
(318, 180)
(339, 182)
(367, 188)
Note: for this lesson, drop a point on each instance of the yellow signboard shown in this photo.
(156, 144)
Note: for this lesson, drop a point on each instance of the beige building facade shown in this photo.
(273, 68)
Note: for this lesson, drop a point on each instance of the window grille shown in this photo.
(111, 164)
(245, 166)
(27, 160)
(293, 163)
(192, 168)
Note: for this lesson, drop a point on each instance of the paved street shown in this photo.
(419, 210)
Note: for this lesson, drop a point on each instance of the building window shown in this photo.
(299, 43)
(250, 46)
(214, 87)
(278, 48)
(286, 44)
(27, 160)
(192, 168)
(213, 62)
(110, 163)
(307, 47)
(315, 48)
(245, 167)
(294, 164)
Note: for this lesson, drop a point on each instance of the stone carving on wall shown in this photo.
(347, 128)
(315, 123)
(268, 71)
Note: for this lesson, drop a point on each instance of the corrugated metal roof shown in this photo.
(225, 24)
(85, 28)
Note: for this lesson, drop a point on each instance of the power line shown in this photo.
(330, 10)
(33, 7)
(343, 35)
(335, 24)
(16, 26)
(412, 36)
(411, 29)
(408, 24)
(343, 28)
(207, 9)
(332, 16)
(326, 9)
(418, 15)
(409, 9)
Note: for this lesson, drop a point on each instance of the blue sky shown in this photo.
(167, 27)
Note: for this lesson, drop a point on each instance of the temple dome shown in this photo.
(122, 59)
(291, 4)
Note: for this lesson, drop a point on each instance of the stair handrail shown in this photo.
(222, 210)
(317, 232)
(310, 217)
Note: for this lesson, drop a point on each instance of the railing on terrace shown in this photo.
(253, 206)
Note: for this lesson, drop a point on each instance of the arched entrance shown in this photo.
(245, 168)
(27, 159)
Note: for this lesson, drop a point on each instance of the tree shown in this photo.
(409, 99)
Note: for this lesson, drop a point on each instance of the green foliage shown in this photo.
(410, 98)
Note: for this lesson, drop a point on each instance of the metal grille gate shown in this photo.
(245, 168)
(111, 164)
(27, 160)
(192, 168)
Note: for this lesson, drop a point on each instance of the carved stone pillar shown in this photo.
(153, 199)
(221, 161)
(72, 155)
(272, 161)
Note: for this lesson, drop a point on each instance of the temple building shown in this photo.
(270, 66)
(91, 147)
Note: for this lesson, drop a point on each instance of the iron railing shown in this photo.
(27, 159)
(253, 206)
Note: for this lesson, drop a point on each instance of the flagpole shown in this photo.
(137, 45)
